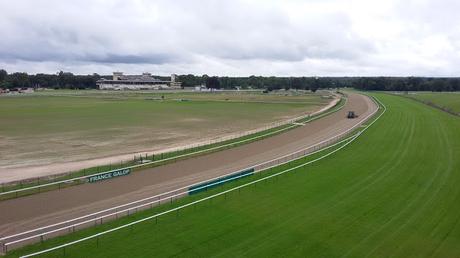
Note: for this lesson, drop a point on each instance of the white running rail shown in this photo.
(164, 196)
(350, 140)
(314, 116)
(157, 199)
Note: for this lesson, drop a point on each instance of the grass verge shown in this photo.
(393, 192)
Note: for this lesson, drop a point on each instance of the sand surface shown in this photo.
(18, 215)
(165, 142)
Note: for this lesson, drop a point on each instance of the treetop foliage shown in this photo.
(67, 80)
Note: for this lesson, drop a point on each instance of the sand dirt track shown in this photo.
(18, 215)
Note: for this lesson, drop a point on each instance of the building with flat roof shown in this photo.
(137, 82)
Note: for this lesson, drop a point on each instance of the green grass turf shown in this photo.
(393, 192)
(175, 203)
(233, 96)
(34, 116)
(158, 157)
(64, 126)
(443, 100)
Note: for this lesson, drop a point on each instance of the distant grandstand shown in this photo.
(137, 82)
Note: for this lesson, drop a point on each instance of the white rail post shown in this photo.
(273, 162)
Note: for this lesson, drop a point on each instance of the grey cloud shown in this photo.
(109, 58)
(230, 37)
(132, 59)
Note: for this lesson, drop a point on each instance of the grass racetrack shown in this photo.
(391, 193)
(448, 101)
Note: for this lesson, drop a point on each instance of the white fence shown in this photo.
(313, 116)
(50, 231)
(176, 209)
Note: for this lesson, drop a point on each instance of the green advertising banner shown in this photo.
(109, 175)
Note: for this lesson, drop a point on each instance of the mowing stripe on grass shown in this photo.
(205, 186)
(175, 192)
(188, 204)
(353, 138)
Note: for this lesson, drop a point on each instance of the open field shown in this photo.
(42, 209)
(64, 126)
(449, 101)
(393, 192)
(228, 96)
(40, 184)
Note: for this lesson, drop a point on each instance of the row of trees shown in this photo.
(407, 84)
(66, 80)
(314, 83)
(260, 82)
(62, 80)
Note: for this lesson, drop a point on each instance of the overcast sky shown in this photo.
(234, 38)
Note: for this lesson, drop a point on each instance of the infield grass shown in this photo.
(391, 193)
(62, 126)
(160, 159)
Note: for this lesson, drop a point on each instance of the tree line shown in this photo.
(407, 83)
(67, 80)
(60, 80)
(314, 83)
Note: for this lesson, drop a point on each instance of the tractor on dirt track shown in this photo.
(351, 115)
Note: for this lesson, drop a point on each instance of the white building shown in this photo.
(137, 82)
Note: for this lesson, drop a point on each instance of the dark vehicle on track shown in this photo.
(351, 115)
